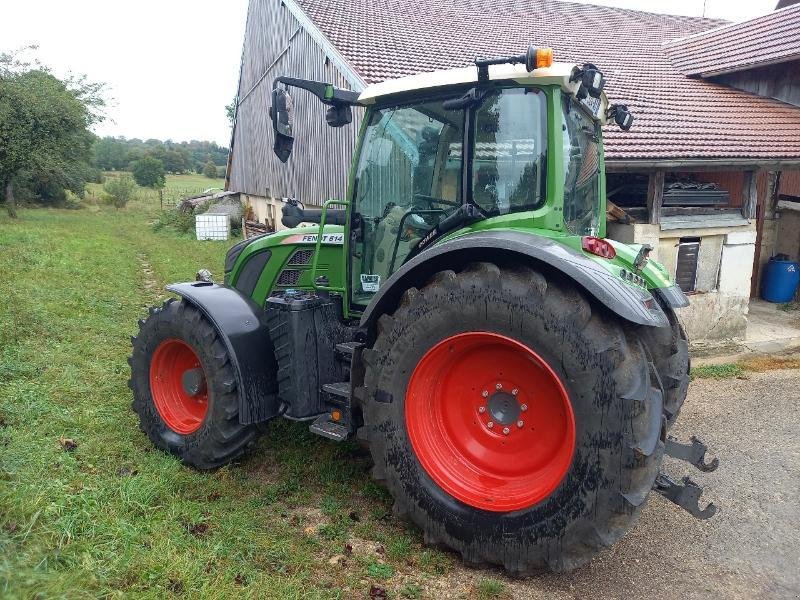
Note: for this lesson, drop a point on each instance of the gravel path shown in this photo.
(751, 549)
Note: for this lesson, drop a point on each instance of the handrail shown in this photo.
(318, 247)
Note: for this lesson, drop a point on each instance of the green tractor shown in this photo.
(513, 373)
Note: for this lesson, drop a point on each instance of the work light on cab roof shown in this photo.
(455, 311)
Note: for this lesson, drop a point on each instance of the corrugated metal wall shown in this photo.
(276, 44)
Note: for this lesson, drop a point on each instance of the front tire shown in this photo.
(593, 429)
(184, 388)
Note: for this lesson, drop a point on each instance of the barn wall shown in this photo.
(780, 81)
(276, 44)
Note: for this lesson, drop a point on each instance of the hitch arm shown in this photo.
(687, 496)
(694, 453)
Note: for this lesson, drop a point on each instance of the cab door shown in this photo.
(408, 177)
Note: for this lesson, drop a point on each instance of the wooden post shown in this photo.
(655, 196)
(750, 195)
(764, 209)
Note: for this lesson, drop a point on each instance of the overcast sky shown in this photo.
(172, 65)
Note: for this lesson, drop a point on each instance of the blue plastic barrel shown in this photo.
(780, 279)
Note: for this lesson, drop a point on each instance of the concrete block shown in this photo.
(740, 237)
(736, 270)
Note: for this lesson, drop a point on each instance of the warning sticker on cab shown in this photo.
(311, 238)
(370, 283)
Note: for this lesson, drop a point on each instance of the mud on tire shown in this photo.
(220, 437)
(615, 399)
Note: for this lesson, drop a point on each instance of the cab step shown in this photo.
(328, 429)
(347, 349)
(337, 392)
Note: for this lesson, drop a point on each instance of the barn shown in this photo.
(709, 174)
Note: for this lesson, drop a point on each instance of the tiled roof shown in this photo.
(766, 40)
(676, 117)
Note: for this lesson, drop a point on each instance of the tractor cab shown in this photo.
(515, 142)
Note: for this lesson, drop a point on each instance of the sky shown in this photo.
(171, 66)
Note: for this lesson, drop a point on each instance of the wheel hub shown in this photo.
(193, 381)
(503, 408)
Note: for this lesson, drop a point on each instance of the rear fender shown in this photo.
(629, 302)
(240, 323)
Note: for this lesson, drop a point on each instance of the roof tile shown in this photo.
(768, 39)
(676, 116)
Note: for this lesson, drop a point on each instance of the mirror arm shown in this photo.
(327, 93)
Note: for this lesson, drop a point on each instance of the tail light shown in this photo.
(598, 247)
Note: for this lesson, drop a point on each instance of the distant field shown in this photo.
(177, 187)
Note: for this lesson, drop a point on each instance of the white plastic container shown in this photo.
(209, 226)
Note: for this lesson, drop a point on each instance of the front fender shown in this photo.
(630, 302)
(240, 323)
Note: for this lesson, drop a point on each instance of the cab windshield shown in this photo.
(411, 174)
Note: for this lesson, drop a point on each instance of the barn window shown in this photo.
(686, 269)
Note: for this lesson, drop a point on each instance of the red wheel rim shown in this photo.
(182, 404)
(490, 421)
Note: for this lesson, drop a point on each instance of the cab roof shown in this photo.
(556, 74)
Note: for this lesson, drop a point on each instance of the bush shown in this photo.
(181, 221)
(210, 170)
(149, 172)
(120, 190)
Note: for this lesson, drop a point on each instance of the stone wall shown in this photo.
(718, 308)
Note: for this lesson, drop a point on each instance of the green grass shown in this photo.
(717, 371)
(490, 588)
(113, 517)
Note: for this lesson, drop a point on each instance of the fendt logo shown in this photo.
(336, 239)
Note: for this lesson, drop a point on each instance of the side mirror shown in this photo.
(281, 113)
(339, 115)
(621, 115)
(591, 79)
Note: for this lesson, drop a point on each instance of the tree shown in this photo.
(44, 129)
(174, 162)
(230, 110)
(120, 190)
(149, 172)
(111, 154)
(210, 170)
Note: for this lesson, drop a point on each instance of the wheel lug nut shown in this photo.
(524, 407)
(506, 430)
(520, 423)
(485, 394)
(499, 386)
(482, 409)
(514, 392)
(490, 424)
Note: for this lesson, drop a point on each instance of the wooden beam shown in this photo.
(750, 195)
(680, 211)
(655, 196)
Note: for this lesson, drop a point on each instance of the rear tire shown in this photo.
(599, 361)
(669, 349)
(203, 429)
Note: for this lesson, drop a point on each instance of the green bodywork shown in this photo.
(331, 255)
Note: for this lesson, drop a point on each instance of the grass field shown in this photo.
(88, 509)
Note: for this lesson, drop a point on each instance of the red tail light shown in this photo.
(598, 247)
